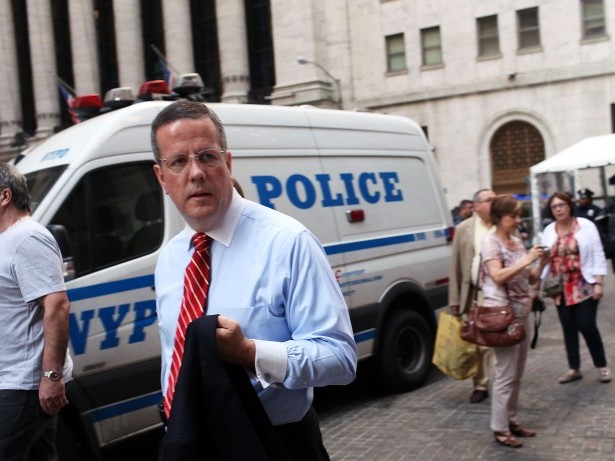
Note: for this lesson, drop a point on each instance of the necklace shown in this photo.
(16, 222)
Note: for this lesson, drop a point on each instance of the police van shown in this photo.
(365, 184)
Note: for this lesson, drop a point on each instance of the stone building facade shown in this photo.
(497, 86)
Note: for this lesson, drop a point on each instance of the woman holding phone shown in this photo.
(507, 271)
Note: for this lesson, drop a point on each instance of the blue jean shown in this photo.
(581, 318)
(26, 432)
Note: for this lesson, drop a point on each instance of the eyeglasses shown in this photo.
(555, 206)
(207, 158)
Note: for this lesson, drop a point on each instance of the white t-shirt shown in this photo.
(30, 267)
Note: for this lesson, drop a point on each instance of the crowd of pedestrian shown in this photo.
(490, 266)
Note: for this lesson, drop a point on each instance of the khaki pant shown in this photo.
(507, 382)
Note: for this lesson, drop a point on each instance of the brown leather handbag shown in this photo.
(492, 327)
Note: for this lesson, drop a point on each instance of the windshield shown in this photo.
(39, 183)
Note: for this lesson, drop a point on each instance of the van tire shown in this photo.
(405, 352)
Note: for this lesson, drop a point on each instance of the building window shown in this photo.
(431, 46)
(488, 40)
(594, 23)
(396, 53)
(529, 30)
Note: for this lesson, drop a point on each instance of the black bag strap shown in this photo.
(538, 306)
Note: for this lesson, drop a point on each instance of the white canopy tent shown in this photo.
(593, 152)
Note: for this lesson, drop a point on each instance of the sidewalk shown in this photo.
(575, 421)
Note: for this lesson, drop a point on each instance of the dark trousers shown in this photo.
(26, 432)
(581, 318)
(303, 439)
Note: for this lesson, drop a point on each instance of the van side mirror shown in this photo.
(60, 233)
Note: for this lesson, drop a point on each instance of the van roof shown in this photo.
(126, 130)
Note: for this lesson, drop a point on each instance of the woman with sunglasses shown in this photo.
(577, 256)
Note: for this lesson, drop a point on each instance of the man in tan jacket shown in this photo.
(463, 278)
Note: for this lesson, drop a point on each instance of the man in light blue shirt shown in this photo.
(282, 315)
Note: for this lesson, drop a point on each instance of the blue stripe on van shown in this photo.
(127, 406)
(119, 286)
(365, 336)
(381, 242)
(103, 289)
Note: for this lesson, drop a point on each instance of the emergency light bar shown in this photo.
(189, 86)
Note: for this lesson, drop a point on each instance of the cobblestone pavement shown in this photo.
(574, 421)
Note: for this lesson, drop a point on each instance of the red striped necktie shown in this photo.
(194, 302)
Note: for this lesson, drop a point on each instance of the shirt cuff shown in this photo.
(270, 363)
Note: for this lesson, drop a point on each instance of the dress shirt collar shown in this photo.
(223, 232)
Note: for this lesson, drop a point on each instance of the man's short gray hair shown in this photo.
(185, 109)
(476, 196)
(13, 180)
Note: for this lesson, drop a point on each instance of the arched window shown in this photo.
(514, 147)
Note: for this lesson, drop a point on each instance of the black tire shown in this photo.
(405, 351)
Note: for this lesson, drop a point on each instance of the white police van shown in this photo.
(365, 184)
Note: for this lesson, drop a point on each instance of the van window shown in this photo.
(40, 182)
(114, 214)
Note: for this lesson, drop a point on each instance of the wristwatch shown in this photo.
(53, 375)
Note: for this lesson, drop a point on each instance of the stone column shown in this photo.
(42, 58)
(129, 43)
(10, 103)
(178, 35)
(84, 46)
(233, 48)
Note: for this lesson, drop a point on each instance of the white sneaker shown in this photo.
(605, 375)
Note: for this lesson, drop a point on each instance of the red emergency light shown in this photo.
(153, 87)
(86, 106)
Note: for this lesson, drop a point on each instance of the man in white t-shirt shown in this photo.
(33, 327)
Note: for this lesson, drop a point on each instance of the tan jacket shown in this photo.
(460, 276)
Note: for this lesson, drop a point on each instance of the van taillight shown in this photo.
(450, 233)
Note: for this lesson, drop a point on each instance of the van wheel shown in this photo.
(405, 352)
